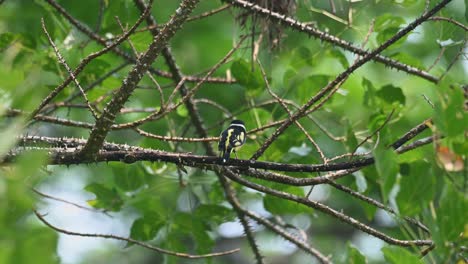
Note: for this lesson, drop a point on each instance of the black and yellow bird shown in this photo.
(232, 139)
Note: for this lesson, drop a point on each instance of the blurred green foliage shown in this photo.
(186, 217)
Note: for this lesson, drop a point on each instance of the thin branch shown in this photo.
(366, 38)
(186, 97)
(130, 240)
(198, 123)
(98, 81)
(68, 69)
(441, 53)
(232, 199)
(342, 76)
(102, 7)
(50, 119)
(455, 59)
(86, 60)
(68, 202)
(106, 120)
(375, 132)
(285, 107)
(214, 104)
(148, 73)
(411, 133)
(451, 20)
(176, 139)
(286, 235)
(328, 210)
(415, 144)
(208, 13)
(302, 27)
(376, 204)
(103, 41)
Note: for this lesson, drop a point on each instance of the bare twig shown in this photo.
(68, 202)
(131, 240)
(208, 13)
(105, 121)
(187, 96)
(450, 20)
(285, 107)
(332, 212)
(85, 61)
(286, 235)
(302, 27)
(375, 132)
(342, 76)
(104, 41)
(69, 70)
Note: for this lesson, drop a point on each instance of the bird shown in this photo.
(231, 139)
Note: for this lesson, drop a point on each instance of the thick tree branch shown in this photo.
(123, 153)
(177, 77)
(106, 120)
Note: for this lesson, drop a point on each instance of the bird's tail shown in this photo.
(226, 155)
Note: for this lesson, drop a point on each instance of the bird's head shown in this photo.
(237, 121)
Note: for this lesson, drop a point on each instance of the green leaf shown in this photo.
(97, 67)
(280, 206)
(398, 255)
(416, 187)
(289, 76)
(452, 214)
(387, 21)
(391, 94)
(338, 54)
(182, 111)
(8, 136)
(6, 39)
(386, 34)
(386, 26)
(354, 256)
(376, 121)
(185, 223)
(387, 167)
(20, 176)
(460, 148)
(369, 210)
(351, 140)
(106, 198)
(215, 213)
(309, 86)
(36, 245)
(466, 13)
(141, 41)
(407, 59)
(304, 54)
(369, 94)
(449, 116)
(251, 79)
(145, 228)
(128, 177)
